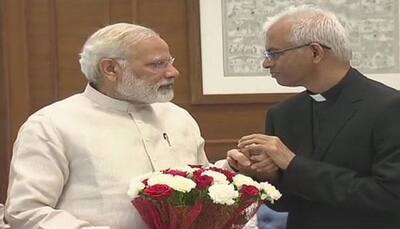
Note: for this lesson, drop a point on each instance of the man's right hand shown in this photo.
(237, 159)
(241, 162)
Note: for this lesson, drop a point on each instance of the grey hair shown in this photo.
(313, 24)
(112, 41)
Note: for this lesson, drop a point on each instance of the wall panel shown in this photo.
(120, 11)
(42, 66)
(76, 20)
(15, 79)
(4, 151)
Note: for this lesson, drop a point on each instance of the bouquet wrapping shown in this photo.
(198, 197)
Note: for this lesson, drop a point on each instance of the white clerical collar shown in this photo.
(318, 97)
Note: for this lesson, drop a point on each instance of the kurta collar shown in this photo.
(108, 102)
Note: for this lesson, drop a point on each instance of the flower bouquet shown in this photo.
(198, 197)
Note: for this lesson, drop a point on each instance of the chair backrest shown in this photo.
(3, 225)
(270, 219)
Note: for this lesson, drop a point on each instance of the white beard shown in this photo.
(136, 90)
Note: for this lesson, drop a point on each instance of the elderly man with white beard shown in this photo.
(73, 160)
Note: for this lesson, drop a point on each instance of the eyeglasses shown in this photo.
(159, 65)
(274, 55)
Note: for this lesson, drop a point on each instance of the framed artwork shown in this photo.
(231, 44)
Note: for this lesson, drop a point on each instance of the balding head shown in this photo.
(307, 24)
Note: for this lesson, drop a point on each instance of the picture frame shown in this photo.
(210, 85)
(196, 71)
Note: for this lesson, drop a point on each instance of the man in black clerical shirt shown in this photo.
(334, 149)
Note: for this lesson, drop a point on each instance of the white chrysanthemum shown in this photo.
(182, 184)
(134, 188)
(160, 178)
(145, 176)
(218, 177)
(189, 170)
(177, 183)
(270, 192)
(223, 193)
(239, 180)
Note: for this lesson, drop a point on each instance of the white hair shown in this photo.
(313, 24)
(112, 41)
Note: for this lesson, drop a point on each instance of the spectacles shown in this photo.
(275, 54)
(159, 65)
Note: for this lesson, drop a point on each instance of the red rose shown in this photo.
(216, 169)
(203, 181)
(175, 172)
(198, 173)
(229, 174)
(249, 191)
(158, 191)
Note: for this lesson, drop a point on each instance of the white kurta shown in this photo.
(73, 160)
